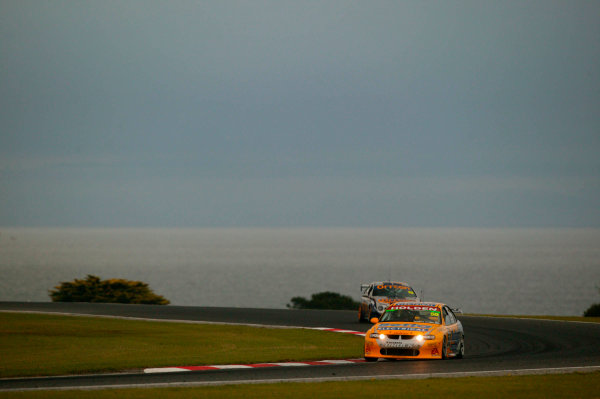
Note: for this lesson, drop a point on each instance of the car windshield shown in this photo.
(412, 314)
(394, 291)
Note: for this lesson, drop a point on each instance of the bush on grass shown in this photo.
(93, 289)
(324, 300)
(593, 311)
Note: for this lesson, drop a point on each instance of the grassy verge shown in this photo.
(544, 386)
(36, 344)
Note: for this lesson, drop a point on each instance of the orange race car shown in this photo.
(415, 330)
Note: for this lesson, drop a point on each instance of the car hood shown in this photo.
(402, 327)
(385, 299)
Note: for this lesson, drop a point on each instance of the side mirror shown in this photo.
(374, 320)
(457, 310)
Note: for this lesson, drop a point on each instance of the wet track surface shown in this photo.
(492, 344)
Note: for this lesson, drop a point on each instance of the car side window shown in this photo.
(450, 311)
(449, 316)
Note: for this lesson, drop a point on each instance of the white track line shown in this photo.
(491, 373)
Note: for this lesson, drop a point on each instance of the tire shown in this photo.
(461, 348)
(444, 349)
(361, 319)
(370, 359)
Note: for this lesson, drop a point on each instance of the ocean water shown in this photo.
(502, 271)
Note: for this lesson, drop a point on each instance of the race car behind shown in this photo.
(378, 295)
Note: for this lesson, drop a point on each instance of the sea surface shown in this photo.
(501, 271)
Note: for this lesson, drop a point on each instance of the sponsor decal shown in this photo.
(388, 300)
(404, 327)
(403, 345)
(435, 352)
(385, 286)
(413, 307)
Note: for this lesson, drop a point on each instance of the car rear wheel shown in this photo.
(361, 319)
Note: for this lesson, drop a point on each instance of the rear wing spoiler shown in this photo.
(363, 287)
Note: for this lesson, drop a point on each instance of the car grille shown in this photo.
(400, 336)
(399, 352)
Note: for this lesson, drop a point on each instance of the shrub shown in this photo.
(593, 311)
(324, 300)
(92, 289)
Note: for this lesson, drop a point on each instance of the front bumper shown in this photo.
(407, 348)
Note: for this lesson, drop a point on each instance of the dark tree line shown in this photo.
(324, 300)
(93, 289)
(594, 310)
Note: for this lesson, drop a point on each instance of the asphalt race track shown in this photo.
(494, 345)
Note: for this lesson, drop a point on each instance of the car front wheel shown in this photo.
(444, 349)
(370, 315)
(461, 348)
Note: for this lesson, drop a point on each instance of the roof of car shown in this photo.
(390, 282)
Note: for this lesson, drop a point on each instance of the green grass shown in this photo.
(543, 387)
(36, 344)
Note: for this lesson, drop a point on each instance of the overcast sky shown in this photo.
(145, 113)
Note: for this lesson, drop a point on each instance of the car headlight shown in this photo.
(377, 336)
(425, 337)
(380, 308)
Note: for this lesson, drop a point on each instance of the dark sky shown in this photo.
(147, 113)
